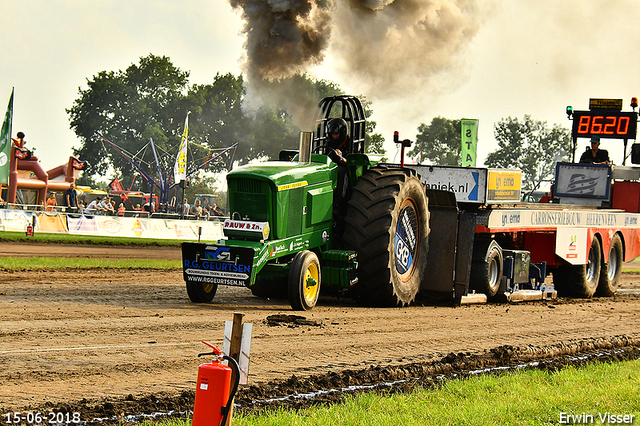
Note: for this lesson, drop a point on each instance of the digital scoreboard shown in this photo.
(604, 123)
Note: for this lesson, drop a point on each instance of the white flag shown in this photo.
(180, 168)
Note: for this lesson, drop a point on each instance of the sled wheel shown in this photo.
(304, 281)
(582, 280)
(610, 272)
(486, 275)
(388, 225)
(201, 292)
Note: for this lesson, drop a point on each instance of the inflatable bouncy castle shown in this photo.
(25, 172)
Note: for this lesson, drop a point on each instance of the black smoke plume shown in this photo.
(385, 48)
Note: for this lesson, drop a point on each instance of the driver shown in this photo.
(338, 140)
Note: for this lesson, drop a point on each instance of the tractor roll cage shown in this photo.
(350, 109)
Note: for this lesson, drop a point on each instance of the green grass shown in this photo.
(41, 237)
(524, 398)
(633, 267)
(41, 262)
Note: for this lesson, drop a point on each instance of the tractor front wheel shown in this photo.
(201, 292)
(304, 281)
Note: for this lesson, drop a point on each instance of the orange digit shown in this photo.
(609, 128)
(623, 130)
(596, 125)
(583, 124)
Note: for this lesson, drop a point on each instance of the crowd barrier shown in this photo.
(111, 226)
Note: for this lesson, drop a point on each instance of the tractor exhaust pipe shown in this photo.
(304, 155)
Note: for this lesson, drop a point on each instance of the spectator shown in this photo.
(71, 197)
(92, 208)
(185, 207)
(121, 209)
(80, 207)
(149, 208)
(196, 210)
(111, 207)
(51, 202)
(105, 206)
(216, 210)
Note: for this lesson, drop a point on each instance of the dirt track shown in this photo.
(67, 335)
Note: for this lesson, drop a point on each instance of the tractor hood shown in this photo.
(292, 197)
(287, 174)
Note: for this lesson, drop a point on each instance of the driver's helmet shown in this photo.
(337, 125)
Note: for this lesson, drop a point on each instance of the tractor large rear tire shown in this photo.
(201, 292)
(388, 225)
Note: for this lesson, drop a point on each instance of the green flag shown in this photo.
(5, 143)
(469, 141)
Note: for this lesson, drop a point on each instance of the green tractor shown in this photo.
(283, 237)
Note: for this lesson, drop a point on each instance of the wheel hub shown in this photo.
(406, 240)
(591, 268)
(613, 264)
(311, 283)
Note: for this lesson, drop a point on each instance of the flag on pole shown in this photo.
(180, 168)
(5, 142)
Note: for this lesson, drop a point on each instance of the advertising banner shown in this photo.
(139, 227)
(469, 131)
(82, 225)
(504, 186)
(469, 184)
(16, 220)
(112, 226)
(52, 222)
(582, 180)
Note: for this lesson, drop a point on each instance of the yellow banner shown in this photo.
(504, 185)
(56, 223)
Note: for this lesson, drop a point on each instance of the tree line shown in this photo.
(151, 99)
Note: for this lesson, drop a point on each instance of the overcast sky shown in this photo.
(518, 57)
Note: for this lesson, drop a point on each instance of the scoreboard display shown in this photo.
(606, 124)
(605, 119)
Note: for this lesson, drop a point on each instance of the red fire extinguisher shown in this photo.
(213, 394)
